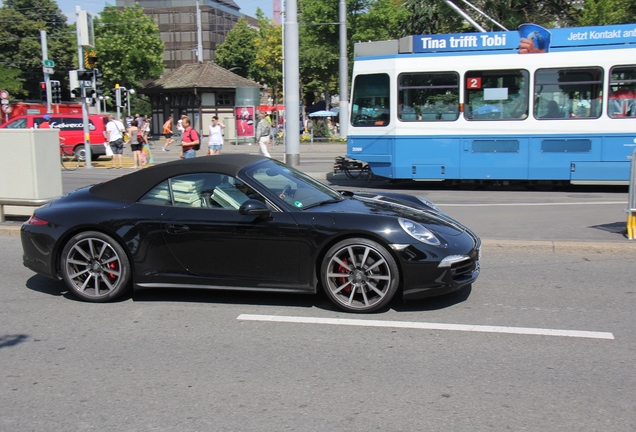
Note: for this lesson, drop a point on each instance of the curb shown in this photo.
(487, 244)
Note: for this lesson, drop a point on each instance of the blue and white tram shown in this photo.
(475, 106)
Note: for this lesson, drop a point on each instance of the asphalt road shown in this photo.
(218, 361)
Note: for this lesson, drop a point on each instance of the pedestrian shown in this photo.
(146, 129)
(263, 131)
(115, 137)
(45, 124)
(135, 145)
(215, 142)
(167, 132)
(180, 127)
(190, 141)
(141, 127)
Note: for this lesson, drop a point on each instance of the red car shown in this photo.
(71, 127)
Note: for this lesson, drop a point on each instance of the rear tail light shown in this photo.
(34, 220)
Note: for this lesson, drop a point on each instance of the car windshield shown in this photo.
(297, 189)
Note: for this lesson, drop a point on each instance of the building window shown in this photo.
(225, 99)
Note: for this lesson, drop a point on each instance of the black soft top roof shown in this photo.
(133, 186)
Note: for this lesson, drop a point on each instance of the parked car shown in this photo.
(71, 127)
(249, 223)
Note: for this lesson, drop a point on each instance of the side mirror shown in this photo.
(255, 208)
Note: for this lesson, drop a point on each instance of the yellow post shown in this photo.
(631, 225)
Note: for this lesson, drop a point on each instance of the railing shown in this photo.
(36, 202)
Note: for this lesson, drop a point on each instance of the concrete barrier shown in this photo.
(29, 169)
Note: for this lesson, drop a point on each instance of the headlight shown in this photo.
(429, 203)
(419, 232)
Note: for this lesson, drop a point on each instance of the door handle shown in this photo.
(177, 229)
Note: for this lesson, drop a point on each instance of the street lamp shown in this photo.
(130, 91)
(104, 99)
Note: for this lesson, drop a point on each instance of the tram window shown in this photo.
(622, 92)
(568, 93)
(496, 95)
(428, 96)
(371, 97)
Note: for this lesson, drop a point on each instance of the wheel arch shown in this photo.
(78, 230)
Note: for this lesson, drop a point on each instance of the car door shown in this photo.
(211, 239)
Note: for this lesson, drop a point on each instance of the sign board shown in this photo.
(4, 94)
(6, 109)
(4, 101)
(85, 28)
(49, 63)
(48, 70)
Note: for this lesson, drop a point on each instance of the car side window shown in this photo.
(158, 195)
(18, 124)
(201, 190)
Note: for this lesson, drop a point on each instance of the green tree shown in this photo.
(129, 48)
(268, 59)
(425, 17)
(238, 51)
(20, 46)
(11, 81)
(603, 12)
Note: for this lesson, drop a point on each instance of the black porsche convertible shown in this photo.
(245, 222)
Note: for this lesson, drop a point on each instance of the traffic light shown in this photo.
(90, 59)
(123, 96)
(76, 92)
(56, 92)
(43, 91)
(97, 84)
(84, 75)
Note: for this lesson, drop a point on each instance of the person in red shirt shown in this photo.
(190, 139)
(45, 124)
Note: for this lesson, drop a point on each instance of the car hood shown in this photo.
(434, 221)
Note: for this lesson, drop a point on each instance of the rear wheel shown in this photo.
(95, 267)
(359, 275)
(80, 153)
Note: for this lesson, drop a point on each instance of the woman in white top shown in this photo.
(216, 137)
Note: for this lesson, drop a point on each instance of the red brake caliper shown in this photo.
(343, 280)
(112, 266)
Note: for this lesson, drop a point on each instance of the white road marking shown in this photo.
(428, 326)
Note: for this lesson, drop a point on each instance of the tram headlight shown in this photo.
(419, 232)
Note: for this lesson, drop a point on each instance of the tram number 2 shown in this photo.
(473, 83)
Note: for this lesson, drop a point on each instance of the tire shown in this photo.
(69, 161)
(359, 275)
(80, 153)
(95, 267)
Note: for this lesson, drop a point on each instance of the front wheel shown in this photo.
(95, 267)
(69, 161)
(359, 275)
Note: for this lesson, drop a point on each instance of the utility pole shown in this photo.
(343, 68)
(82, 38)
(46, 69)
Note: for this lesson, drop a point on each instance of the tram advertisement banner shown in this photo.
(543, 40)
(245, 121)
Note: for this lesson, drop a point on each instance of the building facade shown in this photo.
(177, 21)
(200, 91)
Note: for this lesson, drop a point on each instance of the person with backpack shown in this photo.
(190, 142)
